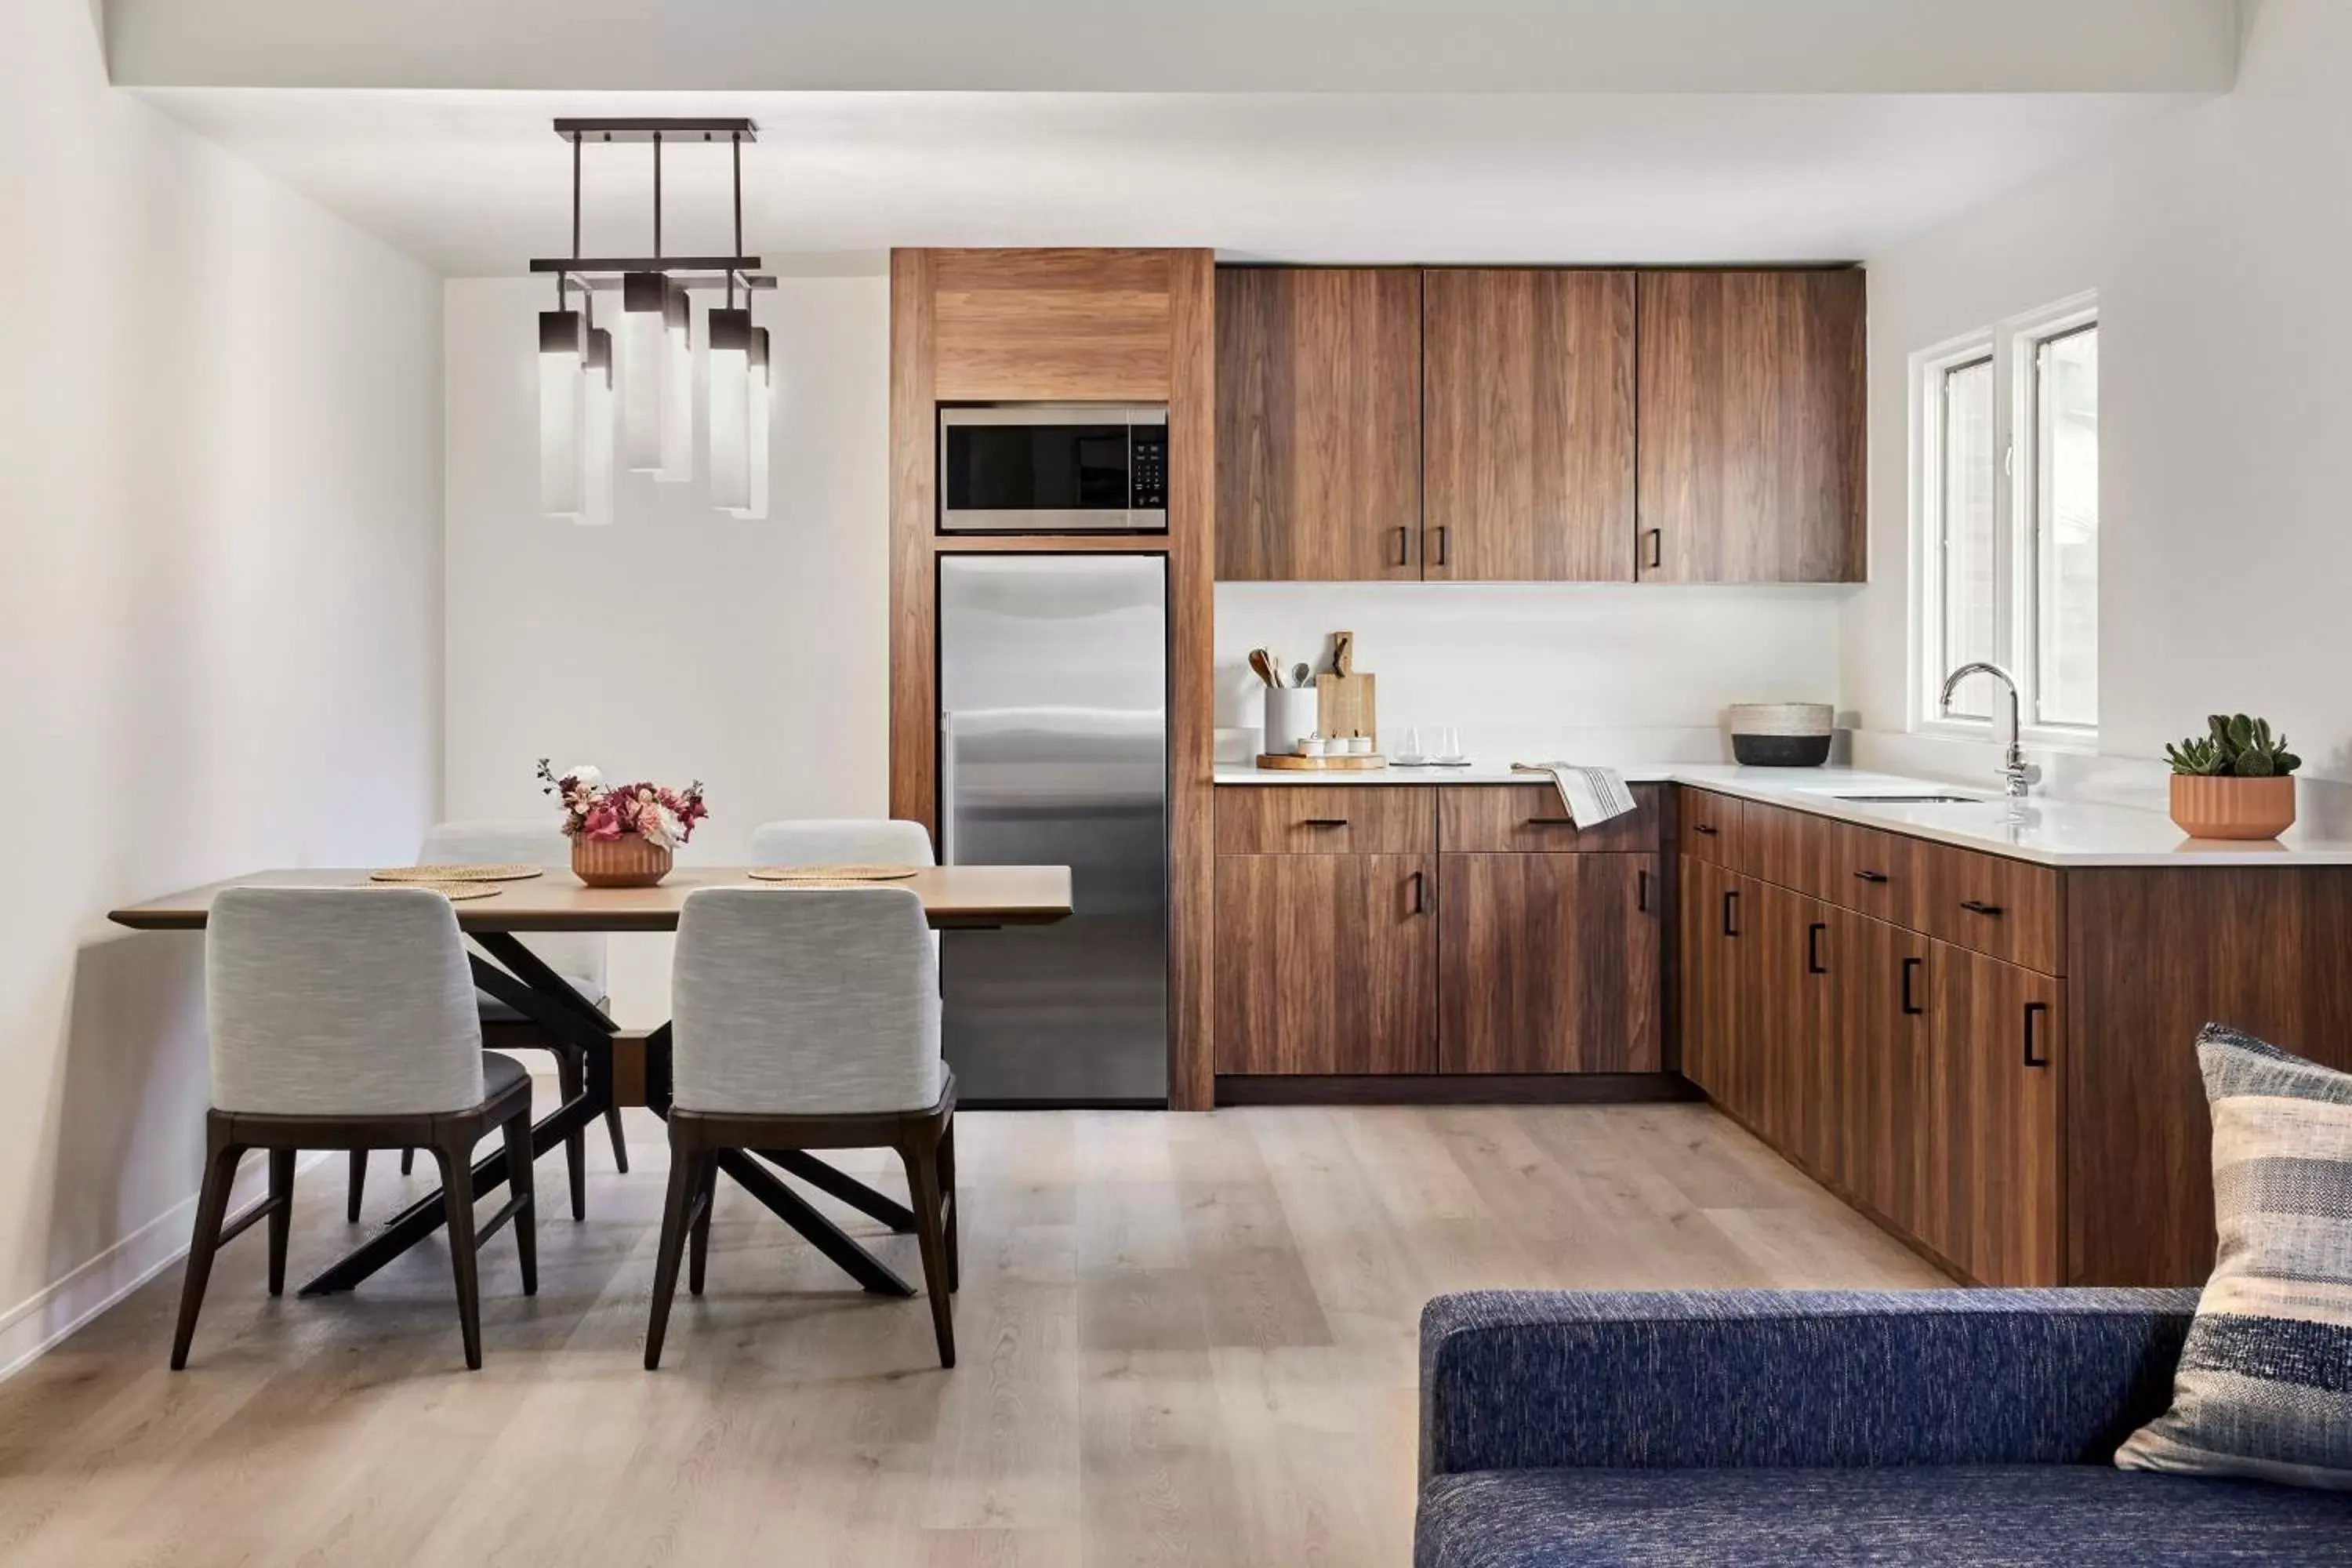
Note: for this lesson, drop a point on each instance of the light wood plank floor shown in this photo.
(1184, 1339)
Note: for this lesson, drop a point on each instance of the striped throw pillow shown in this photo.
(2264, 1388)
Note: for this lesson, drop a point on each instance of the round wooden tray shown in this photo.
(1350, 764)
(440, 874)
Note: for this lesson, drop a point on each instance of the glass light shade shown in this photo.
(600, 420)
(728, 409)
(642, 369)
(677, 391)
(561, 342)
(762, 382)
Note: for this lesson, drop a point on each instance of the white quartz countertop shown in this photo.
(2042, 828)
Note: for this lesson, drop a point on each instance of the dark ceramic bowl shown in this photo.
(1781, 750)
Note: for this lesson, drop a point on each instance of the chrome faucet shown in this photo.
(2019, 774)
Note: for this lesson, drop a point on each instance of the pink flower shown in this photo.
(603, 824)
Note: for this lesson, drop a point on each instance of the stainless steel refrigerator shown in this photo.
(1053, 750)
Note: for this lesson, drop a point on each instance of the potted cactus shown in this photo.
(2234, 782)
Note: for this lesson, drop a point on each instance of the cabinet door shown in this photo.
(2000, 1033)
(1527, 432)
(1885, 1057)
(1327, 963)
(1809, 956)
(1319, 423)
(1708, 978)
(1751, 426)
(1549, 963)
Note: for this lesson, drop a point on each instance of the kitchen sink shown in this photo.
(1915, 799)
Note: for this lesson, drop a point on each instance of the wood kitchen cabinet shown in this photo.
(1999, 1036)
(1750, 414)
(1319, 423)
(1884, 1062)
(1327, 963)
(1549, 962)
(1527, 433)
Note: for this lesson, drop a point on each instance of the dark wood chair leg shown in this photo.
(698, 1244)
(211, 1212)
(620, 1141)
(685, 1178)
(525, 1184)
(954, 1208)
(281, 1214)
(570, 1079)
(407, 1161)
(458, 1186)
(921, 1155)
(359, 1186)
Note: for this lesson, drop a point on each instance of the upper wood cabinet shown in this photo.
(1319, 423)
(1751, 408)
(1075, 325)
(1528, 426)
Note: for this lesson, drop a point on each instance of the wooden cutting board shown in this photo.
(1343, 699)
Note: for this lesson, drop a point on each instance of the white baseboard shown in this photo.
(30, 1329)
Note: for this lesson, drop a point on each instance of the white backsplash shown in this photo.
(1586, 672)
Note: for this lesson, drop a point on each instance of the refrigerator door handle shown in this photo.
(947, 787)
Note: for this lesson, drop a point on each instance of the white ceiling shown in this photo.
(1184, 45)
(475, 183)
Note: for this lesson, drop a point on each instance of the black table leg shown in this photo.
(821, 1233)
(847, 1188)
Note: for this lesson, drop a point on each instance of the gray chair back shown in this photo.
(579, 959)
(340, 1001)
(841, 841)
(804, 1001)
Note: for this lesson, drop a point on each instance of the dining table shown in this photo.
(632, 1067)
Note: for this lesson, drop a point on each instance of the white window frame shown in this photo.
(2014, 346)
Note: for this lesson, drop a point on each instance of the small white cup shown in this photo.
(1360, 745)
(1311, 745)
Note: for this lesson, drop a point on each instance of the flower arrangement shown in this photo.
(602, 814)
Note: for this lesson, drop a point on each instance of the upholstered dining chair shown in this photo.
(841, 841)
(579, 959)
(801, 1019)
(344, 1018)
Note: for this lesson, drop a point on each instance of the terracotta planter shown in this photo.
(627, 861)
(2207, 807)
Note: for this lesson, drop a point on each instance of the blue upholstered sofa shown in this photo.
(1759, 1427)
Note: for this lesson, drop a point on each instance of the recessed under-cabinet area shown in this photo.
(1541, 425)
(1391, 929)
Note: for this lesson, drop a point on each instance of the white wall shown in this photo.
(219, 610)
(1584, 672)
(677, 643)
(2218, 241)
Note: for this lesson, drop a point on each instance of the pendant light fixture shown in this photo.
(630, 402)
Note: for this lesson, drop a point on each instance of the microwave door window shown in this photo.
(1037, 467)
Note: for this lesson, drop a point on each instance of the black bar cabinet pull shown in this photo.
(1642, 891)
(1871, 876)
(1979, 907)
(1813, 948)
(1703, 829)
(1731, 913)
(1552, 822)
(1910, 1003)
(1325, 822)
(1404, 547)
(1657, 546)
(1420, 894)
(2032, 1010)
(1440, 531)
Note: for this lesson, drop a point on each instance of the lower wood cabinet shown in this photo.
(1327, 963)
(1548, 963)
(1917, 1077)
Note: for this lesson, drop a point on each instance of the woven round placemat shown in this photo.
(838, 876)
(457, 873)
(456, 893)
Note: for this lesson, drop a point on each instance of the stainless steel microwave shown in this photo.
(1054, 468)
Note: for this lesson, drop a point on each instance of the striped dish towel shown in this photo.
(1590, 794)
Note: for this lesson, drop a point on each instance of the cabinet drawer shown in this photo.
(1719, 830)
(1327, 820)
(1874, 873)
(1473, 819)
(2008, 910)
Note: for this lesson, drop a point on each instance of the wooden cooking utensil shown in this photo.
(1263, 666)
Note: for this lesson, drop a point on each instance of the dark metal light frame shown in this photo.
(604, 274)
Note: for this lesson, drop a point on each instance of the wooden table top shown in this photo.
(954, 897)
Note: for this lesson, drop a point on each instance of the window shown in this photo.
(2005, 525)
